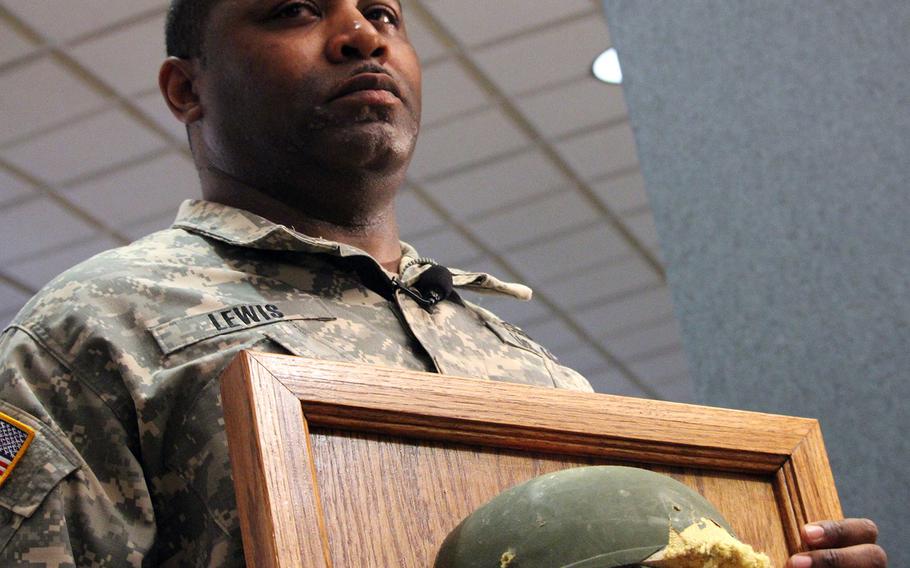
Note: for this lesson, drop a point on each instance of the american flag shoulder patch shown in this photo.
(14, 440)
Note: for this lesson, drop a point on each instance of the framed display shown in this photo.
(351, 466)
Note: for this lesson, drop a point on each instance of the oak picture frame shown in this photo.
(314, 445)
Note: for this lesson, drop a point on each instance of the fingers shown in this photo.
(839, 534)
(859, 556)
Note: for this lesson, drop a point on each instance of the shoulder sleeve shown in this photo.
(566, 378)
(563, 377)
(71, 488)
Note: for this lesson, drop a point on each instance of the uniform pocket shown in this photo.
(524, 360)
(515, 337)
(303, 339)
(34, 470)
(182, 332)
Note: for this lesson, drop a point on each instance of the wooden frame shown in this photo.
(273, 403)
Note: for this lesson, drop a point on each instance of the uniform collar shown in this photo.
(248, 230)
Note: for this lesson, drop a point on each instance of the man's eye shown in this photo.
(295, 10)
(382, 15)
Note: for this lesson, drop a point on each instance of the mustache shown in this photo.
(370, 68)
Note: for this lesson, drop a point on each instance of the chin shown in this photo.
(373, 145)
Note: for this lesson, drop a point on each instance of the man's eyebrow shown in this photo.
(400, 5)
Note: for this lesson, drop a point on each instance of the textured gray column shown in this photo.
(774, 138)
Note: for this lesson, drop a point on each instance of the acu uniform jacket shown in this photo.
(111, 429)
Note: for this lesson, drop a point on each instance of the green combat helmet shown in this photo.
(597, 517)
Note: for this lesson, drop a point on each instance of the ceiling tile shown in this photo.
(676, 389)
(663, 366)
(643, 226)
(577, 105)
(448, 91)
(507, 181)
(627, 312)
(447, 247)
(61, 21)
(637, 344)
(426, 44)
(415, 216)
(127, 59)
(38, 271)
(14, 44)
(466, 141)
(143, 228)
(154, 106)
(590, 285)
(553, 334)
(36, 226)
(584, 359)
(601, 152)
(558, 258)
(560, 212)
(479, 21)
(623, 194)
(160, 186)
(6, 317)
(613, 382)
(87, 146)
(11, 300)
(41, 94)
(560, 53)
(11, 187)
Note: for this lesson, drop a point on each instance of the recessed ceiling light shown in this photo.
(606, 67)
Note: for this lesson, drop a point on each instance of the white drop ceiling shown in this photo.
(526, 167)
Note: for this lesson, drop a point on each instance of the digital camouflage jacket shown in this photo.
(110, 416)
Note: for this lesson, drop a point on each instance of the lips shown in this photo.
(366, 82)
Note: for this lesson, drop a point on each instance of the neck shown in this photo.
(360, 214)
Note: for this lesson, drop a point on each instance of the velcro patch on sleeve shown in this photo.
(15, 438)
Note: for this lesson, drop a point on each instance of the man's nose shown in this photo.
(355, 38)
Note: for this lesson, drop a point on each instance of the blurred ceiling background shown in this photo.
(526, 167)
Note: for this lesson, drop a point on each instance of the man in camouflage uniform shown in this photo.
(302, 117)
(114, 366)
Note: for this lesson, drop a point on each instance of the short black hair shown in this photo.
(185, 27)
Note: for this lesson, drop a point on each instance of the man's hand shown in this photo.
(840, 544)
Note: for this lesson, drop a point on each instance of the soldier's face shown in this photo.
(331, 81)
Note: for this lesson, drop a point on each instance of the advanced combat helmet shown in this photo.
(596, 517)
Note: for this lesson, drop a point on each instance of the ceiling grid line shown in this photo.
(626, 294)
(17, 260)
(116, 168)
(119, 25)
(638, 327)
(15, 284)
(477, 164)
(49, 192)
(22, 60)
(53, 127)
(592, 128)
(616, 174)
(614, 220)
(100, 87)
(19, 199)
(655, 353)
(526, 32)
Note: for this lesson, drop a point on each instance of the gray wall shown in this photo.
(774, 138)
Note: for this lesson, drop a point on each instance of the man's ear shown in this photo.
(177, 81)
